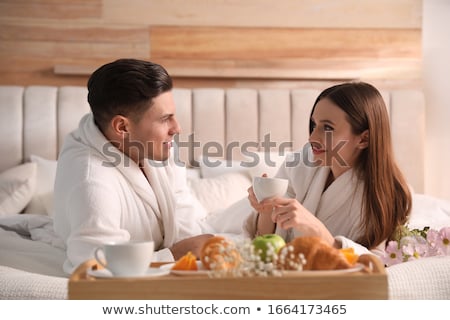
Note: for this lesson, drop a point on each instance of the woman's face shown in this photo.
(332, 140)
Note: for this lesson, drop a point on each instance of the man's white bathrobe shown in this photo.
(101, 195)
(338, 207)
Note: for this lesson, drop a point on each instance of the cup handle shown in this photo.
(97, 257)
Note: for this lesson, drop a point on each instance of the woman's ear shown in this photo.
(364, 140)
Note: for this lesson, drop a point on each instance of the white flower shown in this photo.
(251, 264)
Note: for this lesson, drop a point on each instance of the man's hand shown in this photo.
(193, 244)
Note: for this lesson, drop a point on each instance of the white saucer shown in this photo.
(200, 270)
(105, 273)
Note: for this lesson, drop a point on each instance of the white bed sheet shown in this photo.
(32, 256)
(31, 259)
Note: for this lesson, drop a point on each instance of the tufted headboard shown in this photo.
(35, 120)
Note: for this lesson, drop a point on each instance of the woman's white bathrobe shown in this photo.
(338, 207)
(101, 195)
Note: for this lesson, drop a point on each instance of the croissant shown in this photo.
(318, 254)
(219, 253)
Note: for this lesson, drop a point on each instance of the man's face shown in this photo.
(151, 136)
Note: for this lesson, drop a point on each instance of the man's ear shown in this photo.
(120, 125)
(364, 140)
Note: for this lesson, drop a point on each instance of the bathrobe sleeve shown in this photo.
(94, 215)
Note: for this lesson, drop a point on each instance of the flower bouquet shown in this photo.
(411, 244)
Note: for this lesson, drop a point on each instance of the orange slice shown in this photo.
(350, 255)
(186, 262)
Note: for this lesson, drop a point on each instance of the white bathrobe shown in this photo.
(338, 207)
(101, 195)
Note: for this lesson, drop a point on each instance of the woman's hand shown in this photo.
(264, 209)
(289, 213)
(264, 221)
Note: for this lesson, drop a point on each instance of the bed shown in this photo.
(35, 120)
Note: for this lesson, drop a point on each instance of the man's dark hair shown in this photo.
(125, 87)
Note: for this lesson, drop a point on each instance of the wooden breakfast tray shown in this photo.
(367, 285)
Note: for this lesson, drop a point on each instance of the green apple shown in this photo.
(267, 245)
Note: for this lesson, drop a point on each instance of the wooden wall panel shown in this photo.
(51, 9)
(295, 69)
(268, 13)
(264, 43)
(231, 43)
(74, 50)
(74, 32)
(29, 52)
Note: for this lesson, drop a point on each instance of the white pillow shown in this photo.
(193, 173)
(254, 165)
(264, 162)
(211, 167)
(230, 220)
(42, 200)
(221, 191)
(17, 186)
(429, 211)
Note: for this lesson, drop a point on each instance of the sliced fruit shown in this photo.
(349, 254)
(186, 262)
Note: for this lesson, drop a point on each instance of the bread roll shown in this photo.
(219, 253)
(319, 255)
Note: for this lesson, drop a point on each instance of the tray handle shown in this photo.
(373, 263)
(80, 272)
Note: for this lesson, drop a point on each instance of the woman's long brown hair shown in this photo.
(387, 198)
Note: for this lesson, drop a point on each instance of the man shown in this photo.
(116, 179)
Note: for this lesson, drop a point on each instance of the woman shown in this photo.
(350, 191)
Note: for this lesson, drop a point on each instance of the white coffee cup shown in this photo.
(265, 187)
(126, 259)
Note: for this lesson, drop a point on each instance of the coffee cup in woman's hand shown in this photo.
(265, 187)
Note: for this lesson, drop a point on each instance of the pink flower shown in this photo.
(392, 254)
(417, 243)
(433, 239)
(414, 247)
(443, 241)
